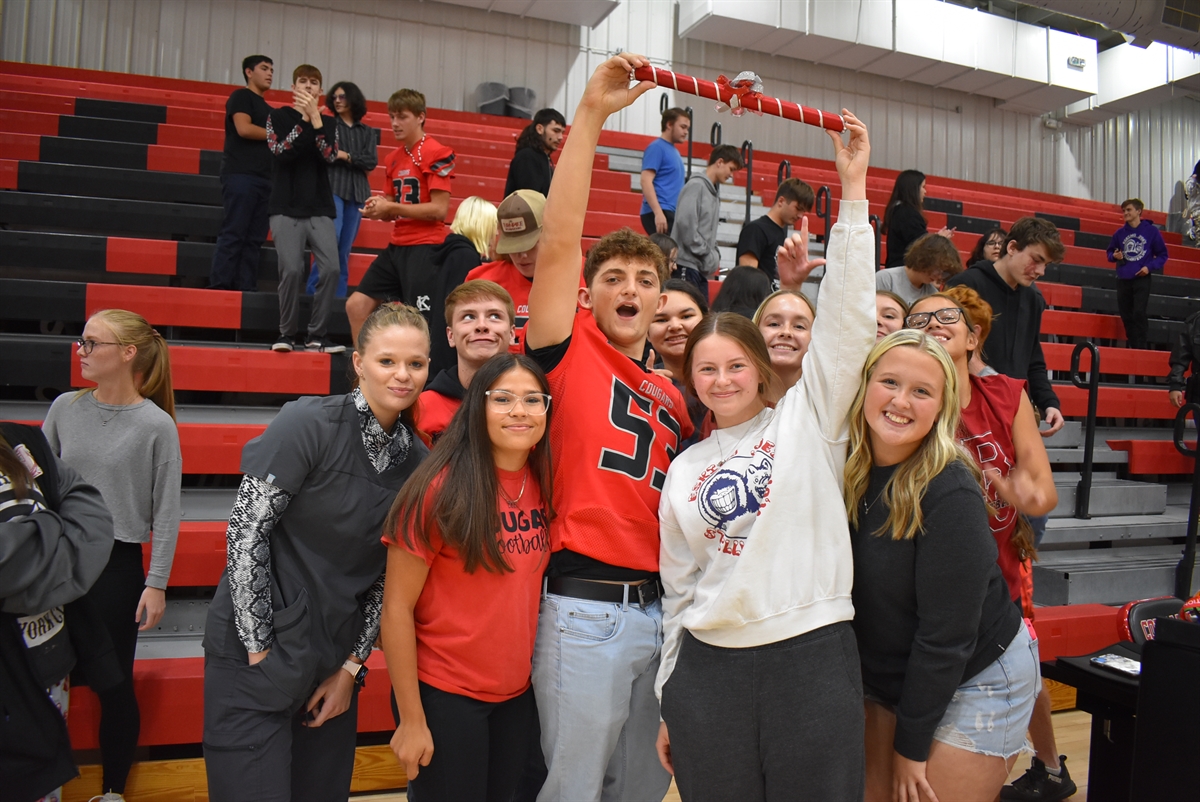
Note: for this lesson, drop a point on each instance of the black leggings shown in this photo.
(479, 748)
(116, 595)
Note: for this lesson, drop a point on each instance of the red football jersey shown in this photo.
(436, 410)
(614, 431)
(413, 183)
(505, 273)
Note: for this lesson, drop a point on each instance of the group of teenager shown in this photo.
(595, 578)
(582, 567)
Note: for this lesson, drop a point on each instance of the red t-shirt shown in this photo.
(475, 632)
(614, 431)
(986, 432)
(413, 183)
(436, 410)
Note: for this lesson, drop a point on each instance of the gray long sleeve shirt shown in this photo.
(695, 231)
(131, 455)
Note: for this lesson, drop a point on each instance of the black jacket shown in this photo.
(1013, 347)
(452, 260)
(47, 559)
(1184, 352)
(300, 165)
(529, 169)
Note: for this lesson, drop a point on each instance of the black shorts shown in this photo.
(403, 273)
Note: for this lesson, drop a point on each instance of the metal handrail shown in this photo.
(663, 103)
(876, 223)
(784, 172)
(1083, 490)
(714, 134)
(1183, 571)
(825, 212)
(748, 158)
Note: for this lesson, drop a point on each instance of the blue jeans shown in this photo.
(346, 227)
(243, 231)
(1038, 524)
(594, 668)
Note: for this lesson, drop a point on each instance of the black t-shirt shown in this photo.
(906, 225)
(762, 238)
(529, 169)
(245, 156)
(932, 612)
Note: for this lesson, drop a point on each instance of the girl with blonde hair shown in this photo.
(785, 318)
(121, 437)
(297, 610)
(949, 670)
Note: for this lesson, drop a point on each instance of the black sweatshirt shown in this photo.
(905, 226)
(530, 169)
(1013, 347)
(300, 167)
(931, 612)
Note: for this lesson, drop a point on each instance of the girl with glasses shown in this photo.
(949, 672)
(121, 436)
(998, 429)
(989, 247)
(468, 541)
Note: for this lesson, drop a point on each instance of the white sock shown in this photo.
(1056, 772)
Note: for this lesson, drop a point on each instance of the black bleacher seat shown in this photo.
(115, 182)
(1081, 276)
(942, 205)
(114, 217)
(1084, 239)
(112, 130)
(1062, 221)
(102, 153)
(118, 110)
(974, 225)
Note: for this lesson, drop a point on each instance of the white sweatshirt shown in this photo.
(748, 558)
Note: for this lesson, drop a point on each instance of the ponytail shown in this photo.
(153, 361)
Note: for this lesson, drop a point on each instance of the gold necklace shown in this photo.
(512, 502)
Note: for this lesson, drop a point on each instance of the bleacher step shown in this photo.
(1106, 576)
(1111, 497)
(1172, 523)
(1101, 455)
(1069, 436)
(206, 504)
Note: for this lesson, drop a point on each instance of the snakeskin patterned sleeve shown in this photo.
(372, 609)
(256, 510)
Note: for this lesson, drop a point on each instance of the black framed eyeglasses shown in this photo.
(504, 401)
(947, 316)
(87, 346)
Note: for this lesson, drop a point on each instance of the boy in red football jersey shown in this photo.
(519, 221)
(479, 325)
(418, 173)
(614, 430)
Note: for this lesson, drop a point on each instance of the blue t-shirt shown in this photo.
(667, 164)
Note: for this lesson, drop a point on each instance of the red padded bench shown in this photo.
(1117, 402)
(1122, 361)
(1154, 456)
(1064, 295)
(1082, 324)
(240, 370)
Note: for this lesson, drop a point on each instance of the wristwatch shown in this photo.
(356, 670)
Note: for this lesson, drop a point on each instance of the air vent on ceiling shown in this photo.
(1183, 14)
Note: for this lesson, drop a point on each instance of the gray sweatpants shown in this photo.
(291, 234)
(774, 723)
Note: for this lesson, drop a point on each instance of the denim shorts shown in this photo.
(990, 712)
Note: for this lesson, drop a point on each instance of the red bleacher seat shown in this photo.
(1122, 361)
(1117, 402)
(240, 370)
(1154, 456)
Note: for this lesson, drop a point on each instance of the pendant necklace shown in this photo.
(513, 502)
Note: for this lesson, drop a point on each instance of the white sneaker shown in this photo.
(111, 796)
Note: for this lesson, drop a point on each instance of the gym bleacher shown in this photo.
(111, 199)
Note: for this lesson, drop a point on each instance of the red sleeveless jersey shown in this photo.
(412, 183)
(614, 431)
(986, 432)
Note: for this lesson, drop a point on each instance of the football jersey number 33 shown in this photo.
(633, 413)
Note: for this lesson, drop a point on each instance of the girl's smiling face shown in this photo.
(786, 325)
(672, 325)
(903, 398)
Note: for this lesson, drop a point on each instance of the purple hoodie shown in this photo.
(1143, 247)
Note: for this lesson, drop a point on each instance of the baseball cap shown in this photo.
(520, 217)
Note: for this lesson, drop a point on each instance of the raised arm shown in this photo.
(555, 288)
(844, 329)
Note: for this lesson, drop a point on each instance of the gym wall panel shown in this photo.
(447, 50)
